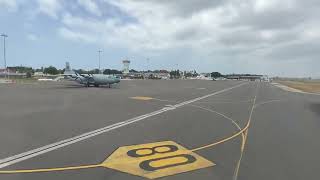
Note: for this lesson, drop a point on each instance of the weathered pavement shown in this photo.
(282, 140)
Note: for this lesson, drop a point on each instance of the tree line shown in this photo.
(51, 70)
(175, 74)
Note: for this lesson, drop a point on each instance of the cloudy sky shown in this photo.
(275, 37)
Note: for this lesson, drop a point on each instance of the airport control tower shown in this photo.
(126, 64)
(68, 66)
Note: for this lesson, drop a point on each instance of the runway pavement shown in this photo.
(64, 125)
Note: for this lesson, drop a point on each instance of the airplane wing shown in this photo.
(85, 75)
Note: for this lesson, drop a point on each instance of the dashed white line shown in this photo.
(42, 150)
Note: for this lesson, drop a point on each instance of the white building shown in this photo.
(126, 64)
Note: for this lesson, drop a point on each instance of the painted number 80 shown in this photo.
(163, 162)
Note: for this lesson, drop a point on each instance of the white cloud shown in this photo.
(32, 37)
(270, 5)
(90, 6)
(50, 7)
(10, 5)
(229, 27)
(154, 30)
(240, 33)
(76, 36)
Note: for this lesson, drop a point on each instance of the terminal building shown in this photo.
(251, 77)
(9, 72)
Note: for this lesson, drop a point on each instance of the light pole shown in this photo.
(177, 70)
(4, 53)
(99, 60)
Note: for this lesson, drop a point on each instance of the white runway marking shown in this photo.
(42, 150)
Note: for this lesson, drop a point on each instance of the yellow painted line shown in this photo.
(155, 160)
(233, 121)
(158, 156)
(51, 169)
(236, 172)
(142, 98)
(230, 137)
(210, 110)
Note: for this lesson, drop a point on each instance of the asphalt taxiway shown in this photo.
(64, 125)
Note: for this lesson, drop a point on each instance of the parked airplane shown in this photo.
(90, 79)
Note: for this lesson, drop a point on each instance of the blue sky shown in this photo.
(34, 40)
(230, 36)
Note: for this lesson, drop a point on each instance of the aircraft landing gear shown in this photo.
(96, 85)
